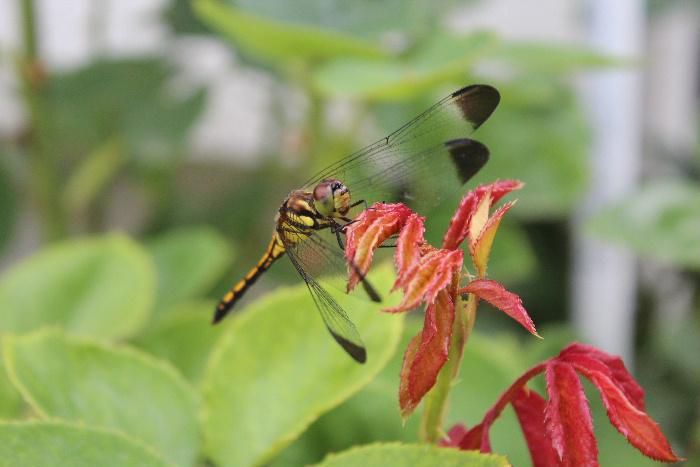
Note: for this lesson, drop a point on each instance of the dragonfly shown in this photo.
(421, 163)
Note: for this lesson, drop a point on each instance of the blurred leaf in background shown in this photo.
(50, 443)
(66, 377)
(189, 261)
(662, 220)
(98, 286)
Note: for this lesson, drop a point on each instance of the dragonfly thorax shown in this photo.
(331, 198)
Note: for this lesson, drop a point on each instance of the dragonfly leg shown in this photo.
(358, 202)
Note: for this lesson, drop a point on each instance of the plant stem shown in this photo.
(43, 183)
(435, 405)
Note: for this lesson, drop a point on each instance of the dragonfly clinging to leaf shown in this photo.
(426, 159)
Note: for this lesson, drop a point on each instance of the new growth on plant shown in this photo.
(559, 430)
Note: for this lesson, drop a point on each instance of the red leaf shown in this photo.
(406, 403)
(420, 371)
(459, 225)
(454, 436)
(529, 407)
(480, 247)
(618, 371)
(432, 274)
(498, 296)
(372, 227)
(634, 424)
(568, 420)
(476, 439)
(408, 247)
(501, 188)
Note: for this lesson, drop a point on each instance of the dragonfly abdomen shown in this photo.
(274, 250)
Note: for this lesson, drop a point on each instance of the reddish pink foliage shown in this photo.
(559, 431)
(408, 247)
(498, 296)
(568, 421)
(530, 408)
(420, 369)
(372, 227)
(480, 247)
(430, 275)
(634, 424)
(454, 436)
(459, 225)
(618, 371)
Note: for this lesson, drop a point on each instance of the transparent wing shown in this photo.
(313, 256)
(424, 160)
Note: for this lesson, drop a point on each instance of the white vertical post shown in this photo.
(604, 276)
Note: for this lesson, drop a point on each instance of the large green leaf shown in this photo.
(661, 220)
(278, 369)
(101, 286)
(278, 41)
(75, 379)
(189, 261)
(443, 59)
(411, 455)
(185, 337)
(50, 444)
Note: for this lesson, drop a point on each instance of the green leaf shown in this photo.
(49, 444)
(278, 369)
(72, 378)
(102, 286)
(661, 220)
(411, 455)
(443, 59)
(544, 57)
(361, 18)
(369, 416)
(185, 337)
(189, 261)
(277, 41)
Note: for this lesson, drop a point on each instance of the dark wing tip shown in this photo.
(469, 157)
(477, 102)
(356, 351)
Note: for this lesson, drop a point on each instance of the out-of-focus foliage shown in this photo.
(286, 375)
(124, 100)
(661, 220)
(63, 377)
(8, 205)
(67, 283)
(189, 262)
(50, 443)
(133, 339)
(418, 455)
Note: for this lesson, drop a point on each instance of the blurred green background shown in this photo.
(183, 124)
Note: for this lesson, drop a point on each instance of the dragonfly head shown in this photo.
(332, 198)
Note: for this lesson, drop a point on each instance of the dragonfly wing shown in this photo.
(426, 159)
(334, 317)
(322, 257)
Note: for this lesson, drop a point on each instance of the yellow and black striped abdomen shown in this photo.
(274, 250)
